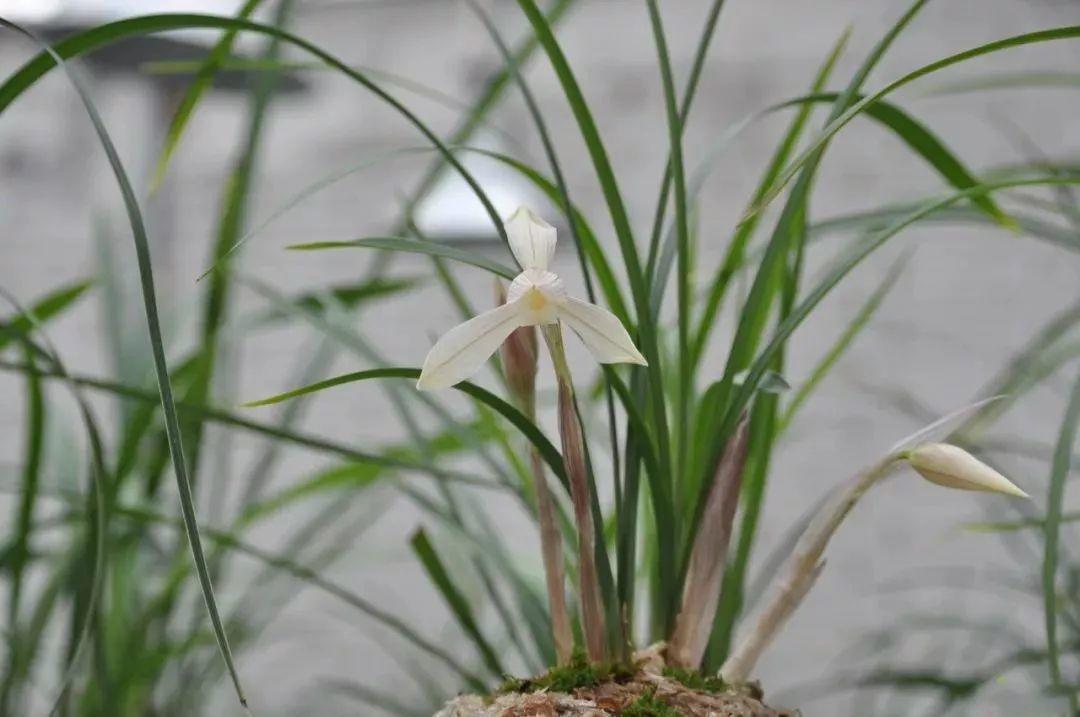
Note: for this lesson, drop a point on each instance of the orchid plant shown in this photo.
(689, 458)
(663, 523)
(537, 297)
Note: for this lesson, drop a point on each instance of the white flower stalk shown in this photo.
(953, 467)
(940, 463)
(537, 297)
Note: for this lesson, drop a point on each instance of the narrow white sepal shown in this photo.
(463, 349)
(532, 240)
(601, 332)
(953, 467)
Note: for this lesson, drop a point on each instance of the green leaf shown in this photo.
(17, 553)
(350, 475)
(226, 418)
(561, 194)
(1012, 526)
(700, 54)
(837, 123)
(309, 576)
(234, 209)
(775, 282)
(1055, 500)
(48, 307)
(548, 451)
(736, 250)
(113, 32)
(204, 77)
(684, 376)
(412, 246)
(853, 259)
(483, 105)
(347, 296)
(1001, 80)
(925, 144)
(457, 603)
(649, 343)
(842, 343)
(172, 426)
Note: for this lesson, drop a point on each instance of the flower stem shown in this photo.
(551, 548)
(803, 569)
(573, 448)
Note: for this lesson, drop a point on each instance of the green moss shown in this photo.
(648, 706)
(695, 680)
(578, 673)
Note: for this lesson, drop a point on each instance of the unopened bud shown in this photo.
(953, 467)
(519, 355)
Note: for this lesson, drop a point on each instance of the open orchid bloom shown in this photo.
(536, 297)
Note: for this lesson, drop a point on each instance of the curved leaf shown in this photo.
(113, 32)
(551, 456)
(172, 425)
(862, 105)
(412, 246)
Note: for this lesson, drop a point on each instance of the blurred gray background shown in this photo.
(968, 299)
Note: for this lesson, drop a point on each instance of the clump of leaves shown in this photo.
(576, 674)
(649, 706)
(695, 680)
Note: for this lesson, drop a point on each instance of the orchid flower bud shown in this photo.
(519, 355)
(953, 467)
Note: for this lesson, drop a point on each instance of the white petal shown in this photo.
(953, 467)
(463, 349)
(601, 332)
(531, 239)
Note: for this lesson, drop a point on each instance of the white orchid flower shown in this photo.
(536, 297)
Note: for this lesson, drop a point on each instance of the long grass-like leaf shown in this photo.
(635, 273)
(202, 81)
(457, 603)
(54, 304)
(1055, 500)
(150, 24)
(483, 105)
(18, 551)
(842, 343)
(585, 243)
(700, 54)
(853, 259)
(226, 418)
(773, 283)
(837, 123)
(528, 428)
(88, 590)
(684, 381)
(411, 246)
(142, 249)
(397, 625)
